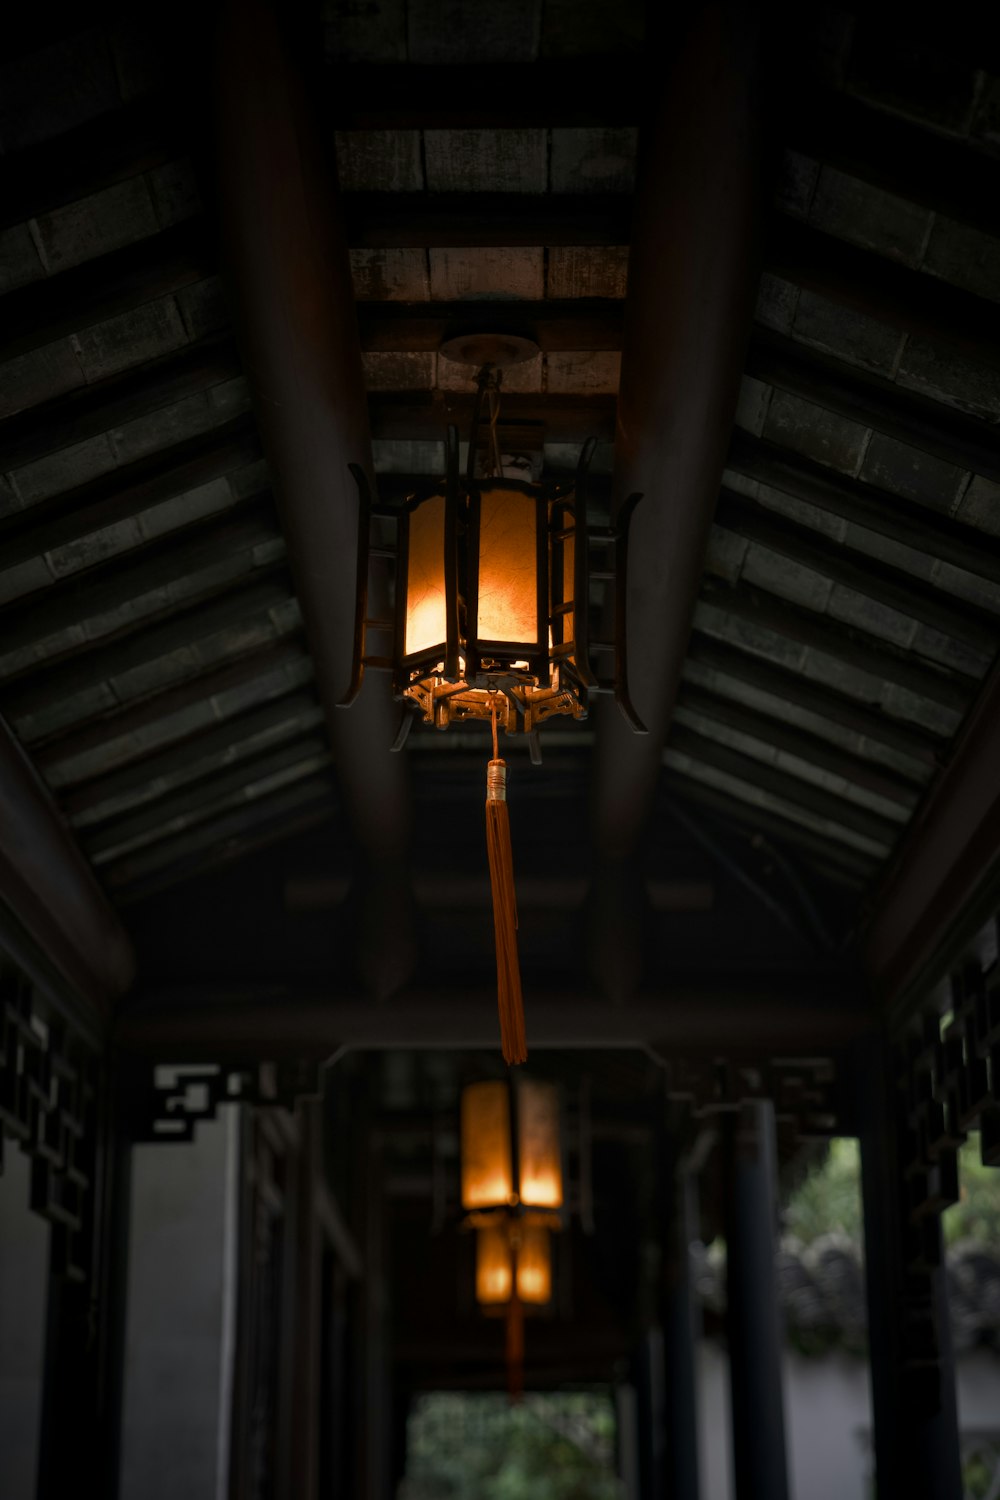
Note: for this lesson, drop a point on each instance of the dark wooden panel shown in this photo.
(456, 220)
(579, 323)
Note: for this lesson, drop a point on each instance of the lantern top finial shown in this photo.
(497, 349)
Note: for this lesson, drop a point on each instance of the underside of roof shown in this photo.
(154, 663)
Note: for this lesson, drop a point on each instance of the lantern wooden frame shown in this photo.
(465, 676)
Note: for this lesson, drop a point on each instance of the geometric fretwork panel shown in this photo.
(49, 1090)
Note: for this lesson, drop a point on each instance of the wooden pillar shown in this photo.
(649, 1381)
(753, 1324)
(680, 1337)
(909, 1337)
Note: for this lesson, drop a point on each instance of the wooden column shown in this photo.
(909, 1337)
(680, 1338)
(753, 1323)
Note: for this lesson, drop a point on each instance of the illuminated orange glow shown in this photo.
(508, 567)
(426, 625)
(494, 1269)
(487, 1175)
(534, 1265)
(539, 1150)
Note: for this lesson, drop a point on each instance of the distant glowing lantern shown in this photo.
(533, 1260)
(492, 606)
(487, 1166)
(494, 1265)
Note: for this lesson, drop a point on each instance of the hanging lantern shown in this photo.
(512, 1191)
(487, 1166)
(492, 606)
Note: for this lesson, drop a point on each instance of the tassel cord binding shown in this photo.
(510, 1001)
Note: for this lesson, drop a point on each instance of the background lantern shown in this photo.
(487, 1163)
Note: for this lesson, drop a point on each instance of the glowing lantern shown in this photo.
(494, 1265)
(534, 1264)
(492, 604)
(487, 1171)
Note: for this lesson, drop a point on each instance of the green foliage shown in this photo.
(829, 1200)
(550, 1447)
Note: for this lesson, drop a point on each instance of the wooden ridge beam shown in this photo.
(911, 740)
(133, 721)
(464, 220)
(944, 881)
(912, 301)
(578, 323)
(292, 711)
(911, 525)
(102, 288)
(174, 630)
(846, 643)
(856, 570)
(586, 90)
(124, 492)
(814, 800)
(116, 400)
(788, 1012)
(108, 587)
(801, 744)
(524, 419)
(860, 396)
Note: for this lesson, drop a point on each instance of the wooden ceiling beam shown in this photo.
(812, 749)
(861, 396)
(116, 400)
(125, 492)
(837, 862)
(134, 721)
(914, 302)
(223, 838)
(817, 697)
(109, 587)
(847, 643)
(525, 419)
(692, 283)
(788, 1013)
(853, 569)
(197, 800)
(294, 307)
(48, 887)
(816, 801)
(578, 323)
(933, 533)
(172, 631)
(945, 880)
(102, 288)
(279, 717)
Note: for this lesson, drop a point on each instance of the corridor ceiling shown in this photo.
(154, 664)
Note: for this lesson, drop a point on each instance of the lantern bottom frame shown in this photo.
(521, 706)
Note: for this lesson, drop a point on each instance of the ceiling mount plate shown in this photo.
(480, 349)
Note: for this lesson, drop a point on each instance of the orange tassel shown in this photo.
(509, 999)
(515, 1350)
